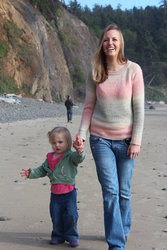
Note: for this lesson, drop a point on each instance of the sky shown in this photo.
(125, 4)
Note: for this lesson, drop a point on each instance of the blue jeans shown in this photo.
(114, 170)
(64, 215)
(69, 114)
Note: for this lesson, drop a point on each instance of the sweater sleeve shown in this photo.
(90, 101)
(77, 158)
(39, 171)
(137, 105)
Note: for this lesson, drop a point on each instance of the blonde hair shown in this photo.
(99, 66)
(62, 130)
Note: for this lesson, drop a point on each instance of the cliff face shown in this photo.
(78, 46)
(48, 59)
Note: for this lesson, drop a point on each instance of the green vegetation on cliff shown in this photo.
(145, 33)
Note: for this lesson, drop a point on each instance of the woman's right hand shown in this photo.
(78, 144)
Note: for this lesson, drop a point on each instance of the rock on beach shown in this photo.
(30, 109)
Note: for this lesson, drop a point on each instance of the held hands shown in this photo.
(25, 172)
(78, 144)
(133, 150)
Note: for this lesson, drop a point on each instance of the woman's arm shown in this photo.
(90, 101)
(137, 106)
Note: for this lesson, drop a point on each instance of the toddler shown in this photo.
(61, 168)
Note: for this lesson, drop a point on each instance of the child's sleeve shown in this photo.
(77, 158)
(39, 171)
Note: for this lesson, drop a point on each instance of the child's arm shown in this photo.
(78, 144)
(79, 155)
(35, 173)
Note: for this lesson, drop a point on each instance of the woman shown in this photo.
(114, 115)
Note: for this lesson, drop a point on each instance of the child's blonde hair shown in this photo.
(58, 130)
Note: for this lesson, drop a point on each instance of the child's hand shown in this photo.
(78, 144)
(25, 172)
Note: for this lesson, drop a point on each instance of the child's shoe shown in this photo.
(74, 243)
(56, 242)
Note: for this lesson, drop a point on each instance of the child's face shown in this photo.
(59, 144)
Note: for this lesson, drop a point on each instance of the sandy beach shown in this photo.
(24, 204)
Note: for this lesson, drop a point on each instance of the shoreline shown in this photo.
(32, 109)
(148, 112)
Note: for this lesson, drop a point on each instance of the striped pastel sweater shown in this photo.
(114, 109)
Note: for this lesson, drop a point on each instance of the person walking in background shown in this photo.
(69, 106)
(114, 115)
(61, 168)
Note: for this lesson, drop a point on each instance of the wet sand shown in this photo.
(24, 207)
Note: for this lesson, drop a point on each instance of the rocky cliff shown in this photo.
(50, 59)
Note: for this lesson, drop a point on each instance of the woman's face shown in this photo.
(112, 43)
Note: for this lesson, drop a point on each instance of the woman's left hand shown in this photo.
(133, 150)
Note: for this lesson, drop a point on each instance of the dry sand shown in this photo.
(25, 204)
